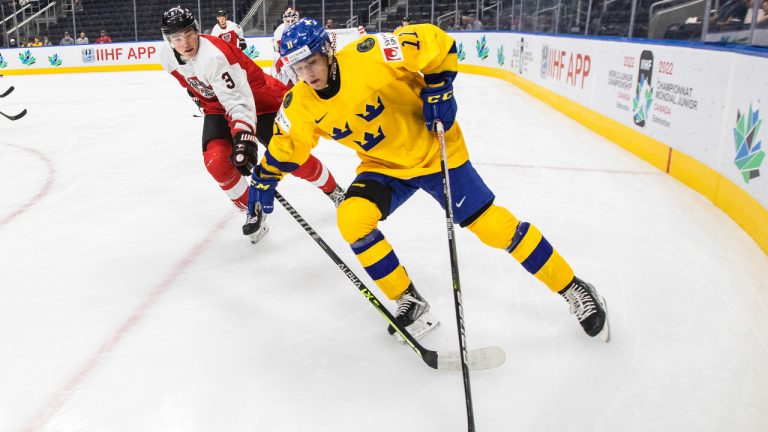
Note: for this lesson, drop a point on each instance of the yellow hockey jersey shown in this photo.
(377, 110)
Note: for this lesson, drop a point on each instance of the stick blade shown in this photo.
(16, 116)
(7, 92)
(483, 358)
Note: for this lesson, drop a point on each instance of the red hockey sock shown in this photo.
(316, 173)
(216, 158)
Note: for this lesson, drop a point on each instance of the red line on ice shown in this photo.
(40, 194)
(60, 397)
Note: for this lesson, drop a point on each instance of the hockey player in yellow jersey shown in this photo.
(375, 96)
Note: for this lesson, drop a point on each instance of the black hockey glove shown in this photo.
(245, 152)
(243, 46)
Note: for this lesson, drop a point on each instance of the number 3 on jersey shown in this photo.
(228, 79)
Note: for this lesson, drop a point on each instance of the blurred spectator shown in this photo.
(762, 13)
(471, 23)
(406, 21)
(764, 8)
(477, 24)
(329, 23)
(731, 11)
(12, 43)
(103, 38)
(46, 42)
(36, 42)
(78, 6)
(67, 39)
(82, 40)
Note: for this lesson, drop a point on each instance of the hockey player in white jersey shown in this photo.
(240, 103)
(285, 75)
(228, 30)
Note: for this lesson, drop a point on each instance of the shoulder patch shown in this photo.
(282, 120)
(390, 47)
(366, 45)
(287, 99)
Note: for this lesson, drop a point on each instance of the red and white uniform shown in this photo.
(226, 81)
(285, 75)
(233, 89)
(231, 33)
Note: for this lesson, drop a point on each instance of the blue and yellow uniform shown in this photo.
(377, 111)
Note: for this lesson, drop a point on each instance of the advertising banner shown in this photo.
(706, 104)
(113, 56)
(744, 130)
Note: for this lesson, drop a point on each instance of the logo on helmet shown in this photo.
(296, 56)
(177, 19)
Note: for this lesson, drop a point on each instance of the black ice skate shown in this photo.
(413, 315)
(589, 308)
(256, 226)
(336, 195)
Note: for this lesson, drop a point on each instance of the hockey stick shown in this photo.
(7, 92)
(455, 272)
(16, 116)
(483, 358)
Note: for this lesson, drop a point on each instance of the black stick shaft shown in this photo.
(430, 357)
(455, 274)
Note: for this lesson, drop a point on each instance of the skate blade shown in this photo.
(421, 327)
(258, 235)
(605, 333)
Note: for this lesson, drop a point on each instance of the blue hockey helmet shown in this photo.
(303, 39)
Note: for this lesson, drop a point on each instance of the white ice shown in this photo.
(130, 301)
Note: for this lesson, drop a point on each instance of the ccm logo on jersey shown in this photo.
(390, 48)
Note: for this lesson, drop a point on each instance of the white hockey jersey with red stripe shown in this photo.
(226, 81)
(231, 32)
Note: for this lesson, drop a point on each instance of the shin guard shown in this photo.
(497, 225)
(316, 173)
(216, 159)
(357, 219)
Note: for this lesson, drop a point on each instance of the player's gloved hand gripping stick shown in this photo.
(245, 152)
(261, 192)
(439, 104)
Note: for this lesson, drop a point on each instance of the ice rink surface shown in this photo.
(130, 301)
